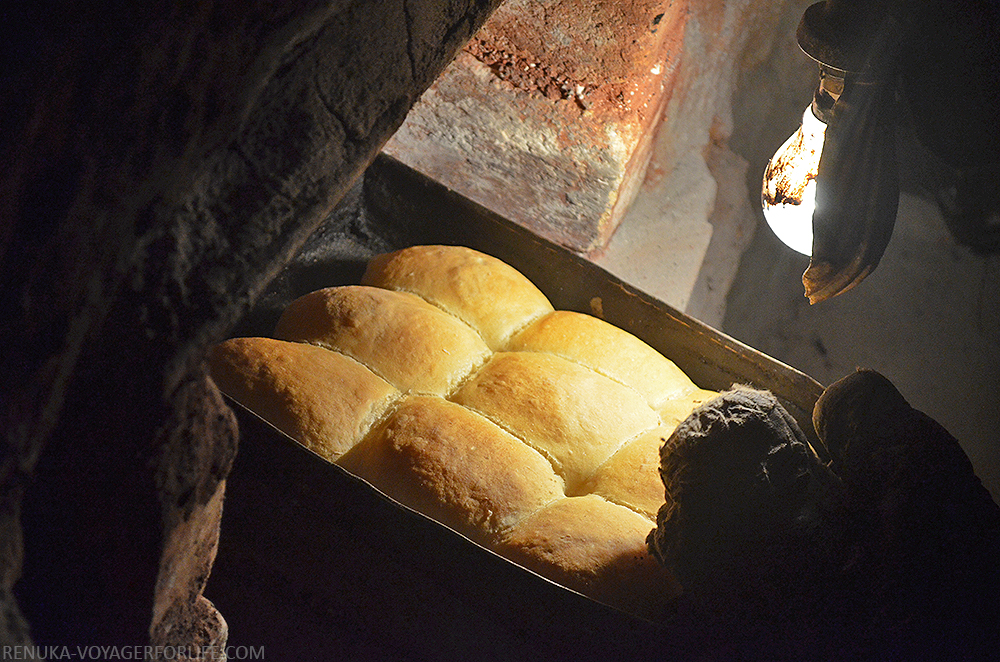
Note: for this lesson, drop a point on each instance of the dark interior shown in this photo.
(163, 164)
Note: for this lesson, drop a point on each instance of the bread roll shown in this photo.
(596, 548)
(574, 416)
(631, 477)
(607, 349)
(413, 345)
(449, 383)
(489, 295)
(456, 467)
(324, 400)
(674, 411)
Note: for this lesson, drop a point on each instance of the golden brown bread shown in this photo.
(487, 294)
(594, 547)
(456, 467)
(631, 476)
(289, 385)
(605, 348)
(411, 344)
(676, 410)
(574, 416)
(493, 408)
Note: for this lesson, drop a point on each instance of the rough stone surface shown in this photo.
(547, 116)
(160, 167)
(192, 513)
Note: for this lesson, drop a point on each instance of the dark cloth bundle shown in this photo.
(889, 551)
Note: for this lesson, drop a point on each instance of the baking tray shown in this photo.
(315, 562)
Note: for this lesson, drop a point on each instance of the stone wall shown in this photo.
(607, 129)
(161, 163)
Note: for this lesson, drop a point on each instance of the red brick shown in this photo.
(547, 116)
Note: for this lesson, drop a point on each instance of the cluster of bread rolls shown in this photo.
(447, 381)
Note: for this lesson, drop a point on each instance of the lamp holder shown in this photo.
(931, 63)
(828, 91)
(856, 44)
(839, 33)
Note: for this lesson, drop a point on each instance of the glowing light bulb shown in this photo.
(788, 195)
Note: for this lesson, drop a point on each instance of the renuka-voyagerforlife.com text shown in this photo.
(203, 653)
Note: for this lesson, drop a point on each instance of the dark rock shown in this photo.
(160, 166)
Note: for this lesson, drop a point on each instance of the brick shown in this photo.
(547, 116)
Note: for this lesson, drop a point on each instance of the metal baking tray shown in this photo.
(315, 562)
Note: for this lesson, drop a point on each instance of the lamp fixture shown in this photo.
(788, 195)
(831, 191)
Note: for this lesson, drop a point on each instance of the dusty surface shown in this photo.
(546, 119)
(927, 318)
(693, 216)
(598, 54)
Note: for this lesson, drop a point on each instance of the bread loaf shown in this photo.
(575, 417)
(606, 349)
(631, 477)
(447, 381)
(324, 400)
(487, 294)
(402, 338)
(596, 548)
(456, 467)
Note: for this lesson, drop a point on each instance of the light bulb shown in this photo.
(788, 195)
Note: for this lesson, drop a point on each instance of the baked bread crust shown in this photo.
(449, 383)
(486, 293)
(455, 466)
(605, 348)
(595, 547)
(289, 385)
(631, 477)
(574, 416)
(411, 344)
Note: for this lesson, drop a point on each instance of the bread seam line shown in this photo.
(439, 307)
(450, 388)
(551, 460)
(395, 406)
(469, 376)
(556, 467)
(401, 395)
(654, 407)
(327, 347)
(504, 343)
(609, 458)
(577, 496)
(505, 531)
(397, 402)
(620, 448)
(505, 347)
(489, 541)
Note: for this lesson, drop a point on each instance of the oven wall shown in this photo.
(160, 165)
